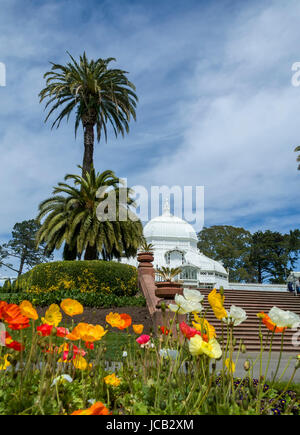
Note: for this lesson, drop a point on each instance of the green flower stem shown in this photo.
(279, 359)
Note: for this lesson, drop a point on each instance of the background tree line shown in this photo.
(265, 256)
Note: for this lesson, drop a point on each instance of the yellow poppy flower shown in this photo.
(138, 329)
(53, 315)
(204, 327)
(86, 332)
(28, 310)
(4, 363)
(71, 307)
(216, 302)
(197, 346)
(112, 380)
(230, 366)
(81, 363)
(113, 319)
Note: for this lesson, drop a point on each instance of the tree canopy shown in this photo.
(100, 95)
(71, 217)
(264, 256)
(22, 246)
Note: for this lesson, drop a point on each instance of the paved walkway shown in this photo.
(287, 360)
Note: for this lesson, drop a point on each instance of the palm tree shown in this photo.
(297, 149)
(72, 216)
(168, 274)
(100, 96)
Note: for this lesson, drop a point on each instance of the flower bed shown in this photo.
(50, 366)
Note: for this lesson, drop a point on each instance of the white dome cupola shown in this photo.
(175, 245)
(168, 227)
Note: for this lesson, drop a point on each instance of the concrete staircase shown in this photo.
(254, 302)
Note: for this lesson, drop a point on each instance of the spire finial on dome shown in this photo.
(166, 209)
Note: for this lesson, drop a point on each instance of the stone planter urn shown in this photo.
(145, 263)
(145, 257)
(168, 289)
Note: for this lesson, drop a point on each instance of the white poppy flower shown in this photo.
(284, 319)
(236, 316)
(184, 306)
(192, 295)
(62, 379)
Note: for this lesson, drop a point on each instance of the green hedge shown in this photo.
(97, 276)
(94, 300)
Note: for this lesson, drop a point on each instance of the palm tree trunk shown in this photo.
(69, 253)
(87, 165)
(91, 253)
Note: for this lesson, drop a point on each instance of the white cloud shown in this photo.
(241, 127)
(216, 105)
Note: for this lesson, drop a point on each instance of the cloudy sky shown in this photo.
(216, 104)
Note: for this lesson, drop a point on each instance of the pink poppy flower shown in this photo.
(143, 339)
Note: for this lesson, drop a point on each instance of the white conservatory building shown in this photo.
(175, 245)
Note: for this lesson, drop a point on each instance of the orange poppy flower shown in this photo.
(269, 324)
(126, 321)
(71, 307)
(3, 306)
(138, 329)
(120, 321)
(86, 332)
(97, 409)
(28, 310)
(13, 316)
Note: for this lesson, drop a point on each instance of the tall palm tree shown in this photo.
(99, 94)
(297, 149)
(72, 216)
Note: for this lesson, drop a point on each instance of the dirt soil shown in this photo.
(140, 315)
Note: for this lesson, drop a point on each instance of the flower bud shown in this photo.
(247, 365)
(163, 307)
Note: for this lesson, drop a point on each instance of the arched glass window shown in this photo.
(174, 256)
(189, 273)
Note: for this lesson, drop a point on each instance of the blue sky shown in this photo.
(216, 105)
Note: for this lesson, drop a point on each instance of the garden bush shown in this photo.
(94, 300)
(107, 277)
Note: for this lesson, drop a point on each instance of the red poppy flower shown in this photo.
(45, 330)
(62, 332)
(15, 345)
(67, 349)
(89, 345)
(11, 344)
(164, 330)
(188, 331)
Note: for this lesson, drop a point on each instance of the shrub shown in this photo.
(93, 300)
(7, 286)
(106, 277)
